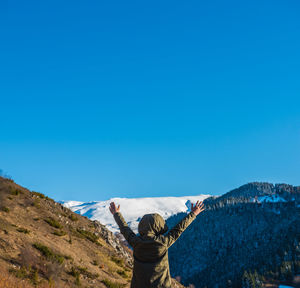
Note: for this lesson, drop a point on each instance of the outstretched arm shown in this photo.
(175, 232)
(124, 228)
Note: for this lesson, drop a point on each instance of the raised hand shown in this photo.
(198, 207)
(113, 208)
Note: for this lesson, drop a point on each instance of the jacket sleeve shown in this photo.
(175, 232)
(125, 230)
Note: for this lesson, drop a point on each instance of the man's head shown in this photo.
(152, 225)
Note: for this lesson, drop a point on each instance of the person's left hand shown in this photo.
(113, 208)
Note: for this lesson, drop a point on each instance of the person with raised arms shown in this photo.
(150, 247)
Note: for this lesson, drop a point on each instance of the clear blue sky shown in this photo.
(105, 99)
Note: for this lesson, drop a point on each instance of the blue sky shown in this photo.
(104, 99)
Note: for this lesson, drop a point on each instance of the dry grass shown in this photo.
(8, 280)
(38, 238)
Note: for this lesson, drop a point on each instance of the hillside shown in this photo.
(44, 244)
(248, 237)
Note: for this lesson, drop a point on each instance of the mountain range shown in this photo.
(247, 237)
(133, 208)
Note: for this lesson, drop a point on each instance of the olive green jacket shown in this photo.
(150, 249)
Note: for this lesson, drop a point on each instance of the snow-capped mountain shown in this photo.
(133, 209)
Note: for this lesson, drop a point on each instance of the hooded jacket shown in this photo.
(150, 248)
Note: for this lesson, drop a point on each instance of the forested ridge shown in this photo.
(244, 238)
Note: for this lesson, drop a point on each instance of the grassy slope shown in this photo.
(43, 244)
(72, 259)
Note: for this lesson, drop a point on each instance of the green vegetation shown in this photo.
(23, 230)
(110, 284)
(15, 191)
(74, 272)
(122, 273)
(19, 273)
(49, 254)
(95, 262)
(77, 280)
(34, 277)
(117, 260)
(36, 203)
(88, 235)
(41, 195)
(77, 271)
(252, 279)
(5, 209)
(73, 217)
(54, 223)
(59, 233)
(24, 273)
(85, 272)
(38, 194)
(68, 257)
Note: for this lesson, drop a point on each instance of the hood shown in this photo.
(152, 225)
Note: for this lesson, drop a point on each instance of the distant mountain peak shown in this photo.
(253, 189)
(133, 208)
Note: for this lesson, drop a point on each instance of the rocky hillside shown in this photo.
(44, 244)
(246, 238)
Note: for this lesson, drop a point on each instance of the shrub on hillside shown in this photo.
(48, 253)
(9, 280)
(117, 260)
(5, 209)
(77, 270)
(38, 194)
(95, 263)
(54, 223)
(88, 235)
(110, 284)
(26, 273)
(15, 191)
(41, 195)
(36, 203)
(122, 273)
(59, 233)
(73, 217)
(23, 230)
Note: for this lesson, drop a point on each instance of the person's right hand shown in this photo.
(113, 208)
(198, 208)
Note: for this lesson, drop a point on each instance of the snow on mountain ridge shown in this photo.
(269, 198)
(132, 208)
